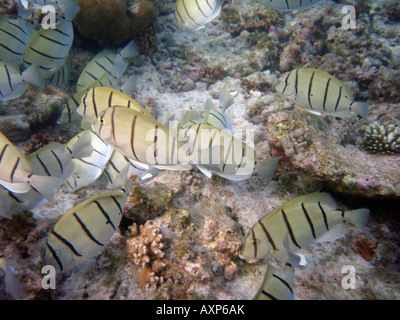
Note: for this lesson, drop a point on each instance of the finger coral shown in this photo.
(381, 139)
(145, 247)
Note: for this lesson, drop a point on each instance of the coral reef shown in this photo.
(113, 22)
(147, 201)
(145, 248)
(309, 143)
(210, 74)
(41, 139)
(381, 139)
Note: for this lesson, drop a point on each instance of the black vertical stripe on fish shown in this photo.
(270, 240)
(269, 295)
(102, 67)
(54, 255)
(12, 195)
(69, 184)
(296, 83)
(339, 97)
(110, 99)
(286, 83)
(287, 4)
(254, 243)
(93, 76)
(187, 12)
(117, 204)
(112, 123)
(219, 119)
(133, 138)
(43, 165)
(209, 5)
(308, 220)
(283, 281)
(290, 229)
(3, 151)
(45, 54)
(59, 161)
(324, 216)
(109, 60)
(105, 214)
(94, 103)
(108, 175)
(86, 230)
(310, 89)
(195, 139)
(14, 169)
(61, 32)
(227, 154)
(66, 242)
(84, 102)
(54, 41)
(173, 150)
(180, 18)
(15, 37)
(201, 10)
(342, 214)
(16, 26)
(326, 93)
(12, 51)
(89, 163)
(155, 144)
(113, 166)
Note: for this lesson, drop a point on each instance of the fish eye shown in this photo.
(256, 241)
(101, 120)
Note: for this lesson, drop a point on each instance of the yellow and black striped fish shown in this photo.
(288, 5)
(97, 99)
(53, 160)
(306, 220)
(84, 230)
(60, 78)
(107, 62)
(16, 172)
(68, 110)
(13, 83)
(215, 151)
(15, 35)
(88, 168)
(119, 166)
(140, 138)
(49, 48)
(211, 115)
(320, 93)
(194, 14)
(278, 284)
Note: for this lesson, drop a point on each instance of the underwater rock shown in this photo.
(113, 22)
(314, 145)
(15, 127)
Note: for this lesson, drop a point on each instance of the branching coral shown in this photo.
(381, 139)
(211, 74)
(146, 250)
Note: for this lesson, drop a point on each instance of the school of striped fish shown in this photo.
(119, 138)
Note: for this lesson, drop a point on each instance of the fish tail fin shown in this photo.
(45, 185)
(360, 108)
(70, 8)
(266, 168)
(13, 286)
(358, 217)
(32, 75)
(225, 99)
(130, 50)
(120, 65)
(82, 148)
